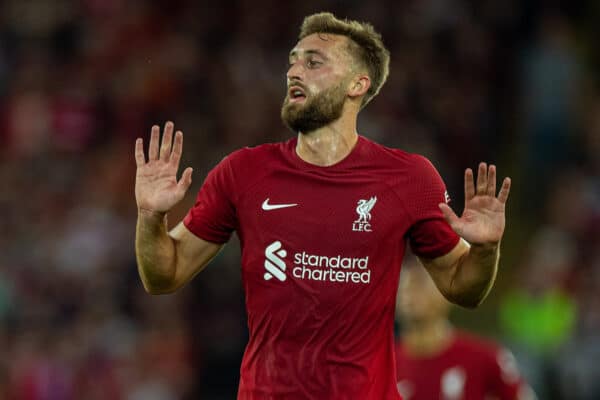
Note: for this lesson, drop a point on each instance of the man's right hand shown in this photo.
(156, 185)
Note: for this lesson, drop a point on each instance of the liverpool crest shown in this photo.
(363, 209)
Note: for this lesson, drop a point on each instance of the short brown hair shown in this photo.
(366, 45)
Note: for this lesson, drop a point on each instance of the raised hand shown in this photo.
(482, 221)
(156, 185)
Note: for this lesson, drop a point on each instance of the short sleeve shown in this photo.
(213, 216)
(429, 236)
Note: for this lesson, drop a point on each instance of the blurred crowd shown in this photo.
(506, 81)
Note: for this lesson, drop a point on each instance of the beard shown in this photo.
(317, 111)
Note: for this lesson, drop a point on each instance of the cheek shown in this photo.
(312, 89)
(322, 78)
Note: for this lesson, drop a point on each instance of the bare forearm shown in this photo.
(475, 274)
(155, 251)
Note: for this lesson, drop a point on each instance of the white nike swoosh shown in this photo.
(267, 207)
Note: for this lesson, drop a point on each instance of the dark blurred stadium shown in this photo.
(512, 82)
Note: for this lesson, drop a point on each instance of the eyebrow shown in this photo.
(308, 52)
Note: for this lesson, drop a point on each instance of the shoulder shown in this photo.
(385, 153)
(423, 167)
(261, 154)
(417, 164)
(496, 359)
(249, 161)
(244, 167)
(486, 350)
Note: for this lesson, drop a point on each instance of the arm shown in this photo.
(166, 260)
(466, 274)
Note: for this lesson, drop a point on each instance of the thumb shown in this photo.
(186, 180)
(449, 215)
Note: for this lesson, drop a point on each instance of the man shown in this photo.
(434, 361)
(322, 220)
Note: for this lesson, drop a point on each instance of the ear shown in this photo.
(359, 85)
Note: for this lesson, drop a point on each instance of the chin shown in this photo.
(293, 106)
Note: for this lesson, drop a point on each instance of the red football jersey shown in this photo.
(321, 255)
(469, 369)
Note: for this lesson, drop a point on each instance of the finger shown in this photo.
(482, 178)
(469, 185)
(167, 139)
(139, 152)
(449, 215)
(177, 149)
(153, 147)
(186, 180)
(504, 191)
(491, 186)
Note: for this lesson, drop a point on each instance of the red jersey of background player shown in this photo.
(321, 255)
(468, 369)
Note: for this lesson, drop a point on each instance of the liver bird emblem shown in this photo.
(364, 209)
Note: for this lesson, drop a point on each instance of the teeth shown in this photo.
(297, 93)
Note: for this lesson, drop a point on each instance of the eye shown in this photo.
(313, 63)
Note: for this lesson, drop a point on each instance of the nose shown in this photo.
(295, 72)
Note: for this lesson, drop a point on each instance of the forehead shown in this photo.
(324, 43)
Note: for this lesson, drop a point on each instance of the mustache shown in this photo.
(296, 83)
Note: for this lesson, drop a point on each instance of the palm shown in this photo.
(156, 185)
(482, 220)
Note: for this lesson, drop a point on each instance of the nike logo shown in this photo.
(268, 207)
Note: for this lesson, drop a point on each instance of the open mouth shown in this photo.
(296, 94)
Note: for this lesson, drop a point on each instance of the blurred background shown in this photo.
(512, 82)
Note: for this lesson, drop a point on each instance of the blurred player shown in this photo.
(435, 361)
(323, 220)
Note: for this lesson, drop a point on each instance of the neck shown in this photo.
(427, 338)
(330, 144)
